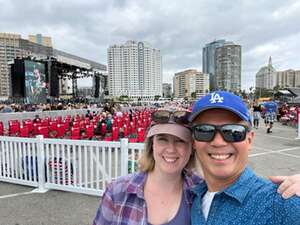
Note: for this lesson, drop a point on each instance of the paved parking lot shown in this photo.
(277, 153)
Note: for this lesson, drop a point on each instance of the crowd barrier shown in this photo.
(69, 165)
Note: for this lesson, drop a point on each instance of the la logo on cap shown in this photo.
(216, 98)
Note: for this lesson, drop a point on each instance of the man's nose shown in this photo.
(218, 140)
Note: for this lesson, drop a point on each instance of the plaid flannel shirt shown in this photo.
(123, 201)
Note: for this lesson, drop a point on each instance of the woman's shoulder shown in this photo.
(127, 183)
(191, 178)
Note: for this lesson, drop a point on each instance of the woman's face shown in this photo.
(171, 154)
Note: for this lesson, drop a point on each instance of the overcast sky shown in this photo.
(180, 29)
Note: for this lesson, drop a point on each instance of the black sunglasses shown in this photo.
(166, 116)
(229, 132)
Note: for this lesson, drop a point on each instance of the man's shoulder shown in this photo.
(262, 186)
(265, 189)
(265, 203)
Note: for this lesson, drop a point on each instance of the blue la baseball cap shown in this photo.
(221, 100)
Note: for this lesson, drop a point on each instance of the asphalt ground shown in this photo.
(277, 153)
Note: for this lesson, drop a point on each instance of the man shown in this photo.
(270, 114)
(232, 193)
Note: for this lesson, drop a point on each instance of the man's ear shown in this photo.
(249, 138)
(193, 145)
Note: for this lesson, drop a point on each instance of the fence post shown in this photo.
(124, 156)
(41, 165)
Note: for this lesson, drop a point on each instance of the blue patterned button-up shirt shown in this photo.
(250, 200)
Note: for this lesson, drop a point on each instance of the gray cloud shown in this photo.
(179, 29)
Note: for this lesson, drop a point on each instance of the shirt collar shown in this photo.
(137, 183)
(238, 190)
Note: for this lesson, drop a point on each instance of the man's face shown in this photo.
(222, 162)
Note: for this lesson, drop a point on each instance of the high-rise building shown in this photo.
(228, 67)
(10, 48)
(40, 39)
(190, 83)
(208, 61)
(166, 90)
(222, 61)
(288, 78)
(266, 76)
(134, 70)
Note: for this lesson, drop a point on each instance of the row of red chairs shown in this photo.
(60, 126)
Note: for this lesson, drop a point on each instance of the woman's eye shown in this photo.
(178, 140)
(162, 139)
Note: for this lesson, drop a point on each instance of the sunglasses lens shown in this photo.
(181, 117)
(161, 116)
(204, 132)
(233, 132)
(230, 132)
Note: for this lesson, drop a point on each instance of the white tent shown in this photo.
(297, 100)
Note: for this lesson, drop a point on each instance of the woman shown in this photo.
(256, 115)
(160, 193)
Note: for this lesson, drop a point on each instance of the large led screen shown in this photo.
(35, 82)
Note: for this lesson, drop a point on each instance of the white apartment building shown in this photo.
(134, 70)
(190, 81)
(266, 76)
(288, 78)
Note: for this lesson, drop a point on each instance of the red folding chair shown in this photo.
(24, 131)
(115, 133)
(75, 133)
(82, 125)
(126, 130)
(45, 122)
(13, 127)
(43, 131)
(35, 130)
(53, 126)
(75, 124)
(61, 130)
(141, 134)
(89, 132)
(1, 128)
(28, 124)
(103, 129)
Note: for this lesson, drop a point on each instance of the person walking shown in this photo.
(270, 115)
(256, 114)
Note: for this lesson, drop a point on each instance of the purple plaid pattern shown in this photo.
(123, 201)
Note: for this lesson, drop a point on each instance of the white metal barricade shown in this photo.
(71, 165)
